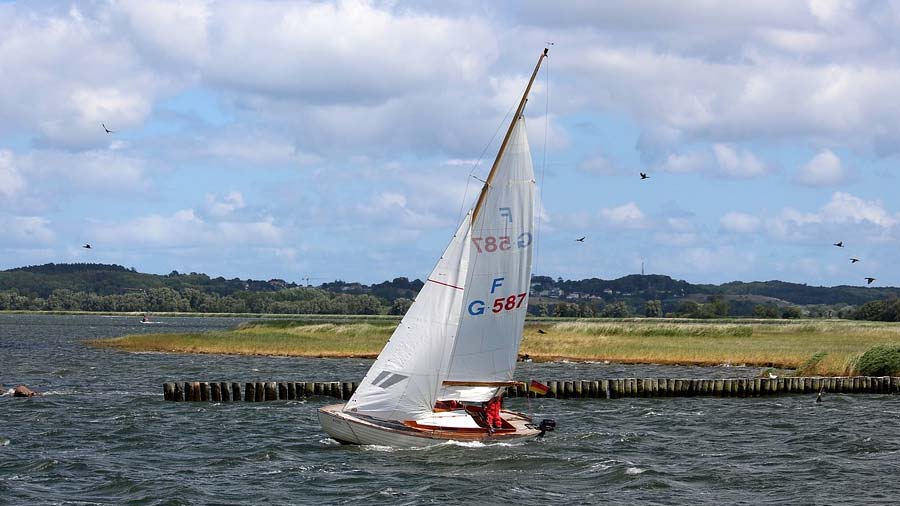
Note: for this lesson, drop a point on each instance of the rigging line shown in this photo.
(475, 165)
(537, 231)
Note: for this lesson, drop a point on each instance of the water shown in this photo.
(103, 435)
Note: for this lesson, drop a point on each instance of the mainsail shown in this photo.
(498, 279)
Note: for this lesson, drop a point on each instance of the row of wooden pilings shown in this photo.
(577, 389)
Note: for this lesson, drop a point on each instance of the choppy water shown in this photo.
(103, 435)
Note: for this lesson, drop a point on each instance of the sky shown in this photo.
(315, 141)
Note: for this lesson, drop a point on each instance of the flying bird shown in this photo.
(839, 244)
(580, 239)
(87, 246)
(644, 176)
(854, 260)
(107, 130)
(869, 280)
(541, 331)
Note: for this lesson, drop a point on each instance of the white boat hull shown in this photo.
(347, 428)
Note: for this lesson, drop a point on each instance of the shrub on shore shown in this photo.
(881, 360)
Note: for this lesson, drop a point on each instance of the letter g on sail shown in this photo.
(476, 307)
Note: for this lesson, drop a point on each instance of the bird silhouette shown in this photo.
(644, 176)
(854, 260)
(87, 246)
(107, 130)
(869, 280)
(580, 239)
(839, 244)
(541, 331)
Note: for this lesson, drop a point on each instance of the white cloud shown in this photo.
(291, 48)
(678, 239)
(224, 207)
(153, 25)
(721, 261)
(258, 149)
(738, 164)
(625, 216)
(92, 171)
(740, 223)
(29, 231)
(683, 163)
(679, 224)
(740, 87)
(11, 182)
(391, 206)
(598, 165)
(824, 169)
(72, 72)
(185, 229)
(870, 220)
(847, 208)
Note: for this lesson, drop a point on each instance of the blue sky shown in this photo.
(335, 140)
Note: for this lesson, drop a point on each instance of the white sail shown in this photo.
(402, 384)
(466, 324)
(498, 279)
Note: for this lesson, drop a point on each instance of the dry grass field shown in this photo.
(812, 346)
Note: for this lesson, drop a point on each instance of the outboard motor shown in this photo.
(546, 425)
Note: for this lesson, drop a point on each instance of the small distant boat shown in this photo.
(441, 375)
(146, 319)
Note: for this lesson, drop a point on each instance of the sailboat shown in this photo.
(441, 375)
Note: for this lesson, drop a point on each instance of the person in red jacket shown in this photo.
(492, 413)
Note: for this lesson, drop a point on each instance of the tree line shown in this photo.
(288, 301)
(113, 288)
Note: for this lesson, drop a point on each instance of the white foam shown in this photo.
(632, 471)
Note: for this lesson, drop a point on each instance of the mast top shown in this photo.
(512, 124)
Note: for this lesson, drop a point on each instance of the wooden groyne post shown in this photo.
(612, 388)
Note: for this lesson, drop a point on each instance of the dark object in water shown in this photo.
(23, 391)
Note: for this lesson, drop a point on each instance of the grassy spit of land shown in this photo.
(827, 347)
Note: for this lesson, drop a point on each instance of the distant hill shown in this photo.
(111, 279)
(41, 281)
(636, 287)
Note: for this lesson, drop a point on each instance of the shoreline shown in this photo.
(542, 359)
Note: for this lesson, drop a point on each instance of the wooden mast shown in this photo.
(487, 182)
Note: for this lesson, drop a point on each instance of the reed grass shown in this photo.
(824, 347)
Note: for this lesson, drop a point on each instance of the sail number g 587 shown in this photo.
(490, 244)
(476, 307)
(505, 303)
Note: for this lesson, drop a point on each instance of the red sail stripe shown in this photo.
(445, 284)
